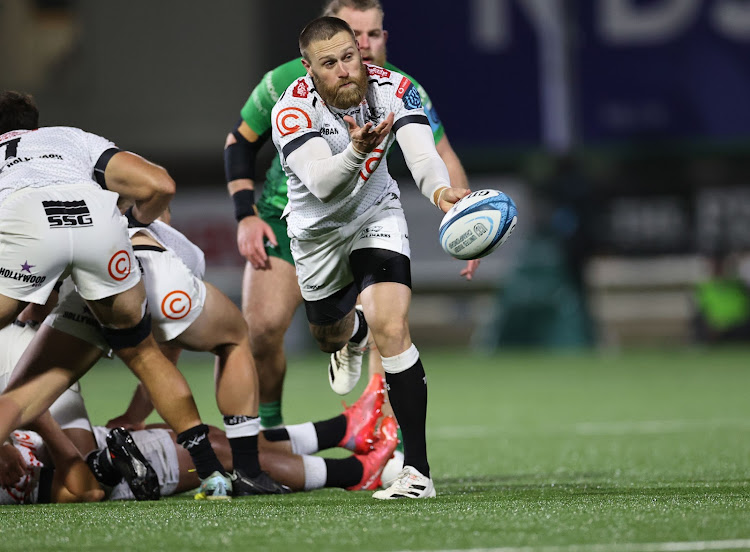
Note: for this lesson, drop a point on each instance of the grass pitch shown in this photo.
(530, 452)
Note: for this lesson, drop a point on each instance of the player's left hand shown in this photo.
(471, 267)
(450, 196)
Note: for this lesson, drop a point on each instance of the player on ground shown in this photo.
(332, 129)
(270, 291)
(147, 463)
(58, 215)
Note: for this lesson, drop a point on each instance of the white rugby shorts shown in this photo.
(322, 263)
(73, 317)
(175, 295)
(159, 449)
(46, 233)
(69, 409)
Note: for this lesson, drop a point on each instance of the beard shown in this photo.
(343, 98)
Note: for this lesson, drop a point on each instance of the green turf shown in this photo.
(526, 449)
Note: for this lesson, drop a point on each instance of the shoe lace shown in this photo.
(402, 480)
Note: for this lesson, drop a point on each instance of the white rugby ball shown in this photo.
(478, 224)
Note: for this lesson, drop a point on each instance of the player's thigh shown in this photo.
(386, 304)
(270, 297)
(124, 310)
(219, 322)
(52, 362)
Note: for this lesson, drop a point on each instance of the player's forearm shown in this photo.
(424, 162)
(453, 163)
(325, 175)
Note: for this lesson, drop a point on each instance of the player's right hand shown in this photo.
(12, 465)
(450, 196)
(252, 233)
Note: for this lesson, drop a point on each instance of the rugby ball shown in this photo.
(478, 224)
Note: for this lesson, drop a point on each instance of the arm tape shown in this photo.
(239, 158)
(243, 204)
(132, 221)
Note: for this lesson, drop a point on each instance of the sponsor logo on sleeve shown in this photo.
(300, 89)
(409, 94)
(403, 87)
(291, 119)
(374, 70)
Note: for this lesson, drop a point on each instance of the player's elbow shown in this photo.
(162, 184)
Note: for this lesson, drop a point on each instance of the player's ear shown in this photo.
(307, 67)
(385, 35)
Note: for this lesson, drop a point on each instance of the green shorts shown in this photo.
(283, 250)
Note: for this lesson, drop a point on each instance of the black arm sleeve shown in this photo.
(239, 158)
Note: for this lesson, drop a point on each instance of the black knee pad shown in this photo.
(128, 337)
(373, 266)
(333, 308)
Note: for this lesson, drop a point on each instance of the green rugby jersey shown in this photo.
(257, 114)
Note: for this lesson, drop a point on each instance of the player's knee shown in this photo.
(124, 338)
(392, 330)
(266, 335)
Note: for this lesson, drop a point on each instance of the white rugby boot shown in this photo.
(410, 483)
(345, 365)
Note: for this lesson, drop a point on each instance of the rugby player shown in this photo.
(270, 293)
(147, 463)
(348, 232)
(58, 216)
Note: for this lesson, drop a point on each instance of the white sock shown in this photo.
(402, 362)
(303, 438)
(316, 472)
(248, 428)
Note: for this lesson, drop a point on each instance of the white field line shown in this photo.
(647, 427)
(688, 546)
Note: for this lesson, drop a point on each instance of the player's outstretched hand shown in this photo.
(366, 138)
(12, 465)
(252, 232)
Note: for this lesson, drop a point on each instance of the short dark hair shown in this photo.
(322, 28)
(17, 112)
(333, 7)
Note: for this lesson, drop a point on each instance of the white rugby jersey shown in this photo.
(33, 451)
(50, 156)
(300, 115)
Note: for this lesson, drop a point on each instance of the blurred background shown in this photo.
(621, 128)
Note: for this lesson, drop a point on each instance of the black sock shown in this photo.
(330, 432)
(245, 455)
(407, 392)
(100, 465)
(362, 330)
(278, 434)
(195, 440)
(242, 434)
(343, 472)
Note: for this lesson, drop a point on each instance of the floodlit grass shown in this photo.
(527, 450)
